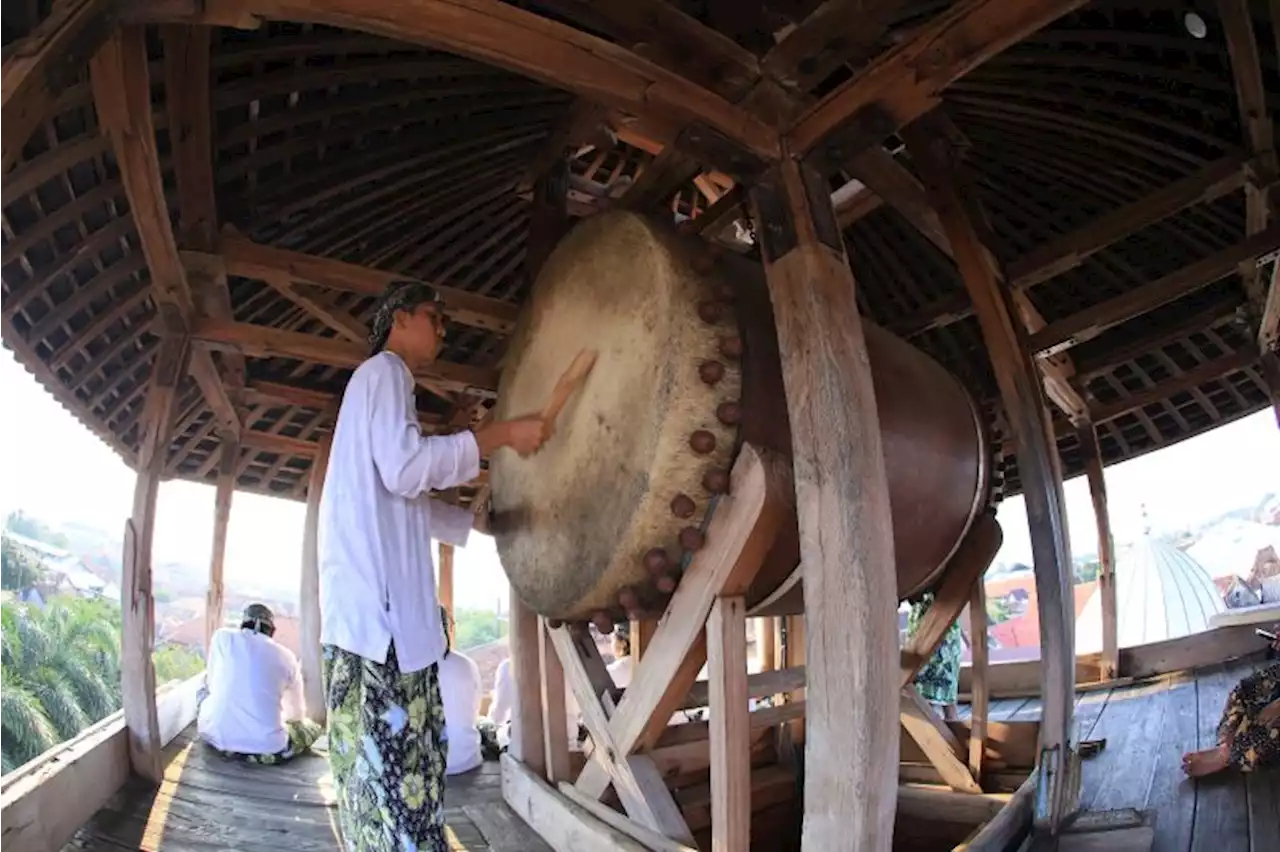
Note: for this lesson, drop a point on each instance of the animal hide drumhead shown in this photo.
(575, 521)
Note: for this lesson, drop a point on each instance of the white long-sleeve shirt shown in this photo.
(504, 696)
(255, 686)
(377, 577)
(460, 694)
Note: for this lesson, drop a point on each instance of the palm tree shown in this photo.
(59, 673)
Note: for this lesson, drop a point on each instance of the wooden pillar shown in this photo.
(309, 593)
(526, 673)
(730, 727)
(846, 540)
(137, 669)
(229, 454)
(1022, 394)
(1088, 437)
(444, 583)
(555, 717)
(980, 692)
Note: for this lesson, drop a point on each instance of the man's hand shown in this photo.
(525, 435)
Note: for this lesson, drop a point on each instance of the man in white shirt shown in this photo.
(381, 633)
(253, 707)
(502, 706)
(460, 691)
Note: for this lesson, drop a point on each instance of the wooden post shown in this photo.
(846, 540)
(555, 717)
(137, 669)
(444, 584)
(1023, 397)
(526, 673)
(309, 594)
(730, 729)
(229, 454)
(980, 693)
(1088, 437)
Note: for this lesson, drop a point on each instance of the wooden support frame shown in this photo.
(1087, 435)
(845, 525)
(730, 726)
(980, 698)
(137, 670)
(228, 456)
(309, 592)
(1020, 390)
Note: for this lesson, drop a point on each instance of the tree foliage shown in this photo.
(60, 668)
(18, 570)
(176, 662)
(475, 627)
(23, 524)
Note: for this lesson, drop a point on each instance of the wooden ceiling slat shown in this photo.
(249, 259)
(508, 37)
(907, 81)
(263, 342)
(1206, 372)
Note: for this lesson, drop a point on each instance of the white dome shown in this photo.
(1161, 593)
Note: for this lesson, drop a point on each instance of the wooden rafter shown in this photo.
(248, 259)
(1193, 378)
(511, 38)
(1073, 248)
(907, 81)
(1089, 323)
(39, 67)
(122, 96)
(825, 40)
(259, 341)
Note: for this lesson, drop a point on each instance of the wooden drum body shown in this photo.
(600, 522)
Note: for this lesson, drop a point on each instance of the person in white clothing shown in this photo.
(460, 691)
(500, 709)
(381, 634)
(252, 703)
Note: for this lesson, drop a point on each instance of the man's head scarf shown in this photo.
(400, 295)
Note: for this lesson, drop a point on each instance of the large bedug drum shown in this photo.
(602, 519)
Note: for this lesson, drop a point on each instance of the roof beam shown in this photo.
(825, 40)
(1089, 323)
(248, 259)
(1191, 379)
(1133, 347)
(44, 63)
(1072, 249)
(205, 372)
(1269, 327)
(583, 121)
(907, 81)
(260, 341)
(122, 96)
(1259, 131)
(505, 36)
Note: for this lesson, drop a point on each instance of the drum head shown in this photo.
(624, 471)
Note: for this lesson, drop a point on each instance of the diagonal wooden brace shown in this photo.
(738, 538)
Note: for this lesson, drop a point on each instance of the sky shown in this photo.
(54, 468)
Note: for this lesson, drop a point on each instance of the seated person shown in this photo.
(253, 707)
(1249, 733)
(460, 695)
(504, 696)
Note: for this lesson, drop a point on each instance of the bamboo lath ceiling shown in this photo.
(395, 158)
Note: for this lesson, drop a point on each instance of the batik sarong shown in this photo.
(302, 735)
(387, 750)
(939, 680)
(1251, 743)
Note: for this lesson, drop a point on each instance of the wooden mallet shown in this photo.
(570, 380)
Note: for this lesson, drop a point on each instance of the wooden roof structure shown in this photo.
(252, 172)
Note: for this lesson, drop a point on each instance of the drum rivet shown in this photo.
(731, 347)
(555, 623)
(702, 442)
(711, 312)
(716, 480)
(729, 413)
(667, 582)
(692, 538)
(655, 561)
(711, 372)
(629, 600)
(682, 506)
(603, 622)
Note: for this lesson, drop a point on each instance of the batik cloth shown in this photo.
(1251, 743)
(939, 680)
(302, 735)
(387, 750)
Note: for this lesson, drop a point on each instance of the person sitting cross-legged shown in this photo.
(253, 708)
(460, 693)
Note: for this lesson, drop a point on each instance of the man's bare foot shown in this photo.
(1198, 764)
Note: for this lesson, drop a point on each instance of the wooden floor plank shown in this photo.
(1222, 804)
(1173, 795)
(1120, 775)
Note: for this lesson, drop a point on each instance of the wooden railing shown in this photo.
(44, 801)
